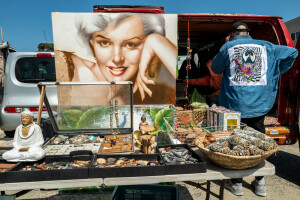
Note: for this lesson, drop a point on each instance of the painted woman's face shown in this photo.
(118, 49)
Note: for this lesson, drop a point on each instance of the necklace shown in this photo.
(112, 108)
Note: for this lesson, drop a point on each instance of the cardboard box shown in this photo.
(229, 120)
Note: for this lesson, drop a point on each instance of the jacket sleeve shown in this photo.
(286, 57)
(219, 62)
(204, 81)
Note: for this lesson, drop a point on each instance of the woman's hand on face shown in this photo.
(156, 49)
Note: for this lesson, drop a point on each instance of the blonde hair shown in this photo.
(88, 24)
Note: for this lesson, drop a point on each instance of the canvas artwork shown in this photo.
(142, 48)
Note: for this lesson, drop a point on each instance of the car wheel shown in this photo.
(9, 134)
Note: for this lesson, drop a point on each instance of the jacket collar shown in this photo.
(242, 37)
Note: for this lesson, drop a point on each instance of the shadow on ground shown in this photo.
(184, 192)
(287, 166)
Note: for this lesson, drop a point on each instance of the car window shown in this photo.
(35, 69)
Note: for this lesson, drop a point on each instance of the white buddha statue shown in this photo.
(27, 142)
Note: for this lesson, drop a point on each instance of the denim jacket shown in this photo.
(251, 70)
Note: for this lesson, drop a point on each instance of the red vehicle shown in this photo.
(207, 32)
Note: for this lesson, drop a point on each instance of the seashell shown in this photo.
(111, 160)
(119, 162)
(57, 140)
(101, 161)
(142, 162)
(155, 162)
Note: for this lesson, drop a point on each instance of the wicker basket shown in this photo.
(236, 162)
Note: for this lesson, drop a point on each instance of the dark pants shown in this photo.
(258, 124)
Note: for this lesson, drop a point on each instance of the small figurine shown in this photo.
(137, 134)
(147, 139)
(143, 122)
(27, 142)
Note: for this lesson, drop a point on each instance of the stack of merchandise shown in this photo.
(223, 119)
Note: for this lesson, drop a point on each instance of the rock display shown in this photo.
(123, 162)
(77, 140)
(244, 142)
(57, 165)
(178, 155)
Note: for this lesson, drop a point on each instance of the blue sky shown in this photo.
(25, 22)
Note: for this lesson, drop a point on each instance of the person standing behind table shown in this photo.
(213, 81)
(251, 70)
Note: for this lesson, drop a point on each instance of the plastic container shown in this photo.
(15, 175)
(199, 167)
(145, 192)
(128, 171)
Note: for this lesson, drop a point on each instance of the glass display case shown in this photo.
(96, 107)
(89, 116)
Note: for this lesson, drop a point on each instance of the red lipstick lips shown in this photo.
(117, 71)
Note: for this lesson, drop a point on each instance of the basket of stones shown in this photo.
(241, 150)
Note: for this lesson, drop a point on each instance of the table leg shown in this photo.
(221, 194)
(207, 190)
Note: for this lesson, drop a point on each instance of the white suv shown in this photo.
(22, 73)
